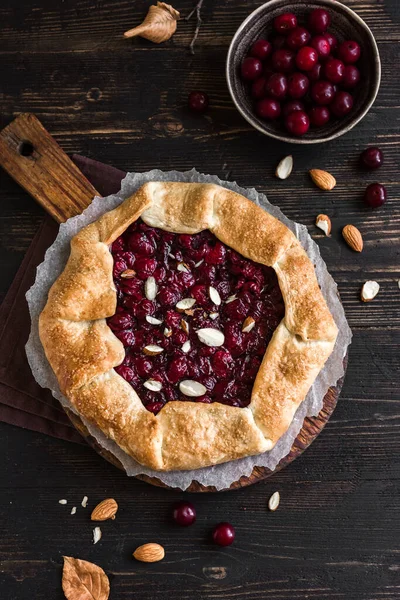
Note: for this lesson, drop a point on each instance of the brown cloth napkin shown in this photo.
(22, 401)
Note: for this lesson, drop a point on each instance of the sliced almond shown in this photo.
(284, 168)
(191, 388)
(186, 347)
(324, 223)
(84, 501)
(171, 255)
(199, 263)
(152, 350)
(149, 553)
(153, 320)
(185, 326)
(248, 324)
(107, 509)
(213, 315)
(73, 510)
(183, 267)
(189, 312)
(214, 295)
(369, 290)
(153, 385)
(62, 501)
(96, 535)
(323, 179)
(273, 502)
(230, 299)
(353, 238)
(128, 274)
(150, 288)
(185, 303)
(167, 332)
(210, 336)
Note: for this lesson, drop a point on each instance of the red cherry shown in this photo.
(322, 92)
(349, 52)
(375, 195)
(306, 58)
(321, 45)
(283, 60)
(154, 407)
(319, 116)
(198, 101)
(298, 38)
(277, 86)
(297, 123)
(223, 534)
(251, 68)
(351, 77)
(298, 85)
(291, 106)
(284, 23)
(372, 158)
(258, 88)
(268, 108)
(342, 104)
(261, 49)
(319, 20)
(184, 513)
(334, 70)
(315, 72)
(332, 40)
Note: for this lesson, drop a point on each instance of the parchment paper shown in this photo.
(220, 476)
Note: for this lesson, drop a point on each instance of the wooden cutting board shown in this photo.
(34, 159)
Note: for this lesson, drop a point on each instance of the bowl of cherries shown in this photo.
(303, 72)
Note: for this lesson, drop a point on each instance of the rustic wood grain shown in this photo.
(335, 535)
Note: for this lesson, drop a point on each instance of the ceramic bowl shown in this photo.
(346, 24)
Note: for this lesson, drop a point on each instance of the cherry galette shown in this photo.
(188, 325)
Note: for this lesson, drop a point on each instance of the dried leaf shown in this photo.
(159, 24)
(84, 580)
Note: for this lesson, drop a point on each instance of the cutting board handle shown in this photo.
(37, 163)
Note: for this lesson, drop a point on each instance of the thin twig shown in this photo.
(197, 10)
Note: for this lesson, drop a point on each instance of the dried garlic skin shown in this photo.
(159, 24)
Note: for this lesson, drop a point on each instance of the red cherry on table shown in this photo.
(349, 52)
(198, 101)
(321, 45)
(261, 49)
(319, 116)
(297, 123)
(268, 108)
(223, 534)
(306, 58)
(251, 68)
(285, 23)
(334, 70)
(342, 104)
(322, 92)
(283, 60)
(319, 20)
(298, 85)
(291, 106)
(277, 86)
(332, 40)
(184, 513)
(375, 195)
(298, 38)
(351, 77)
(372, 158)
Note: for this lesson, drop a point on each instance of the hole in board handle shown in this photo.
(25, 149)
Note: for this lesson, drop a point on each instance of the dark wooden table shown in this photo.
(336, 533)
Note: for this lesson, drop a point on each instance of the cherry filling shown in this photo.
(195, 317)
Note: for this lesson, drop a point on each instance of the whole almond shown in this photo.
(149, 553)
(353, 238)
(322, 179)
(107, 509)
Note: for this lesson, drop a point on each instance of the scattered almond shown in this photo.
(128, 274)
(191, 388)
(199, 263)
(230, 299)
(152, 350)
(186, 347)
(369, 290)
(150, 288)
(63, 501)
(159, 24)
(149, 553)
(83, 580)
(84, 501)
(153, 320)
(185, 326)
(324, 223)
(284, 168)
(185, 304)
(73, 510)
(210, 336)
(96, 535)
(214, 295)
(353, 238)
(183, 267)
(105, 510)
(273, 502)
(167, 332)
(323, 179)
(248, 324)
(153, 385)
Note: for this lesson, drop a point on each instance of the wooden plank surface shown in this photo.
(336, 534)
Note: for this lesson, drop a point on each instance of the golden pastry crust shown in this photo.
(83, 351)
